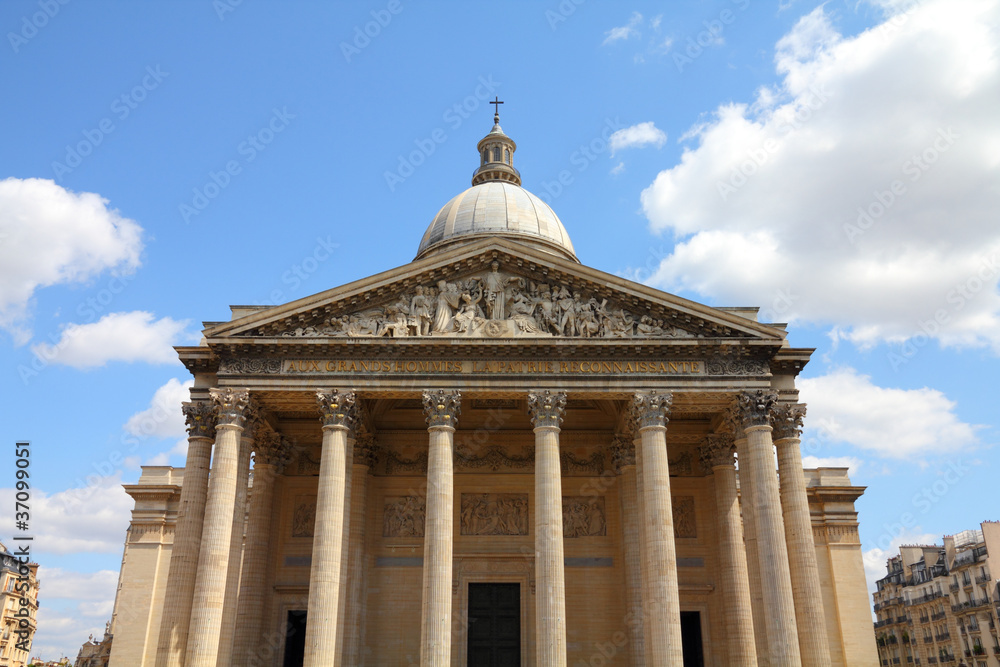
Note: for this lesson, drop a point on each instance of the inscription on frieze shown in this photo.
(494, 514)
(584, 516)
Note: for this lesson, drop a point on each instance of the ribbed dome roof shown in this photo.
(497, 208)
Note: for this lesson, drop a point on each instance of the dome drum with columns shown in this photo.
(493, 455)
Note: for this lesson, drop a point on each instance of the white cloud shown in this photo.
(892, 423)
(51, 236)
(91, 518)
(771, 189)
(637, 136)
(132, 336)
(163, 418)
(849, 462)
(624, 32)
(618, 168)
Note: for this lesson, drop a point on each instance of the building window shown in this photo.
(496, 154)
(506, 155)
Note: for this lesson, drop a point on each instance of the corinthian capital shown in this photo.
(271, 448)
(547, 408)
(441, 408)
(336, 408)
(366, 450)
(200, 418)
(235, 406)
(651, 409)
(717, 450)
(787, 420)
(753, 408)
(622, 452)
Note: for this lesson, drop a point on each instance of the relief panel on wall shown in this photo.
(584, 516)
(494, 514)
(403, 516)
(304, 516)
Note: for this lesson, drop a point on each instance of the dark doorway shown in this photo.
(295, 638)
(494, 625)
(691, 639)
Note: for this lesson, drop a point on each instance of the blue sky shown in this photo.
(835, 164)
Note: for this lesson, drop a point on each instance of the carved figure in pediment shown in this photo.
(448, 301)
(649, 327)
(547, 309)
(469, 315)
(522, 312)
(396, 320)
(420, 311)
(495, 289)
(568, 310)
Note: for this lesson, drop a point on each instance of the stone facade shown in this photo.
(493, 455)
(18, 581)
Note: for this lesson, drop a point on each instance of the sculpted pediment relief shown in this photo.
(489, 304)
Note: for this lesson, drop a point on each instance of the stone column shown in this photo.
(357, 595)
(623, 457)
(644, 565)
(342, 616)
(441, 409)
(663, 613)
(236, 545)
(234, 410)
(753, 556)
(270, 456)
(337, 410)
(179, 595)
(752, 411)
(550, 583)
(717, 455)
(806, 592)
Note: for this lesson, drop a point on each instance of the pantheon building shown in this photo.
(494, 455)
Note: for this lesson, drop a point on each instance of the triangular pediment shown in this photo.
(495, 288)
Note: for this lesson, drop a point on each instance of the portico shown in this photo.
(498, 455)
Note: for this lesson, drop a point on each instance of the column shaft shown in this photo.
(357, 569)
(631, 548)
(753, 556)
(644, 565)
(775, 576)
(183, 571)
(229, 611)
(435, 629)
(213, 563)
(253, 601)
(733, 569)
(328, 537)
(663, 627)
(550, 583)
(342, 618)
(806, 592)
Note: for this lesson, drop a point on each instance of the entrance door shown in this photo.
(691, 639)
(295, 639)
(494, 625)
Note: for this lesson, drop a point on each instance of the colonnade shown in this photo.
(768, 575)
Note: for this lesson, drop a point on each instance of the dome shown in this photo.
(497, 205)
(497, 208)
